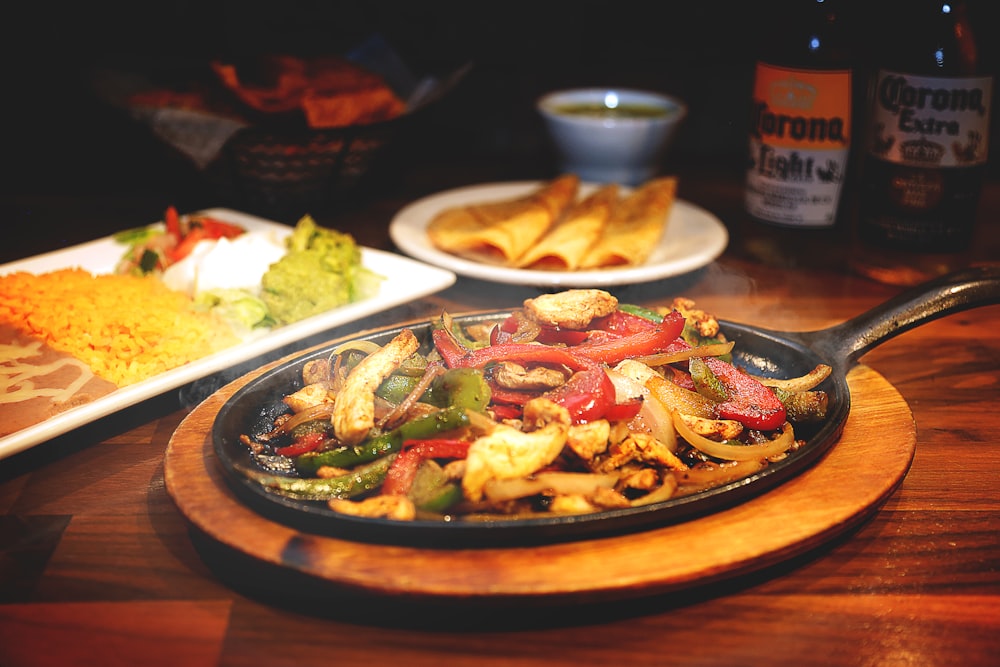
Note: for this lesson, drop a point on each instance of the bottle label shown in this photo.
(927, 121)
(800, 135)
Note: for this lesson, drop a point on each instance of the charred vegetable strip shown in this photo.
(420, 428)
(358, 481)
(400, 477)
(804, 406)
(748, 401)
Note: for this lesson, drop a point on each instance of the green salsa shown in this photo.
(321, 270)
(622, 111)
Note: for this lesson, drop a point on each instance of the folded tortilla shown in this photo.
(567, 243)
(635, 227)
(500, 232)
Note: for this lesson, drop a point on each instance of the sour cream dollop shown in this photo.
(237, 263)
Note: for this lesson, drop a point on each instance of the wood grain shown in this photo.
(825, 501)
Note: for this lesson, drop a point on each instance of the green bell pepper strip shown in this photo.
(460, 389)
(465, 388)
(804, 406)
(457, 386)
(348, 485)
(705, 382)
(420, 428)
(397, 387)
(641, 311)
(401, 475)
(587, 395)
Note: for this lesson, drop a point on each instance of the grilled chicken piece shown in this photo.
(705, 324)
(317, 370)
(514, 376)
(310, 396)
(639, 447)
(400, 508)
(571, 504)
(508, 453)
(716, 429)
(354, 411)
(589, 440)
(571, 309)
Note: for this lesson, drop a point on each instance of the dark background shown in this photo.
(61, 140)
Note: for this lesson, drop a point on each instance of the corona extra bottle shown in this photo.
(925, 147)
(800, 134)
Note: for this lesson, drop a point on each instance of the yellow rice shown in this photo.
(126, 328)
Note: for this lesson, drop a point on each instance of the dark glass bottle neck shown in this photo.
(807, 34)
(936, 39)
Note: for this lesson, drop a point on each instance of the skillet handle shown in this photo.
(952, 293)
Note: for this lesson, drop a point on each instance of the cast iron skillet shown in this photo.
(766, 352)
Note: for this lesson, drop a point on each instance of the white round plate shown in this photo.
(693, 238)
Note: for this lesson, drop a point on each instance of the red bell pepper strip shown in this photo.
(587, 394)
(507, 331)
(615, 325)
(507, 411)
(557, 335)
(623, 323)
(399, 477)
(506, 396)
(302, 444)
(749, 402)
(643, 343)
(679, 377)
(624, 411)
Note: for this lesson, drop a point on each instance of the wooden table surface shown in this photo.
(98, 566)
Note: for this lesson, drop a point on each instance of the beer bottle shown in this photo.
(925, 147)
(800, 134)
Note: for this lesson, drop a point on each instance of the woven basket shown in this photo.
(297, 171)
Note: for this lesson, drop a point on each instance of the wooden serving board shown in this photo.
(825, 501)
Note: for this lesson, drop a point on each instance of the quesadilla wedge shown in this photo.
(635, 227)
(566, 244)
(500, 232)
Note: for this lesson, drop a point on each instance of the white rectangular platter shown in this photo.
(404, 280)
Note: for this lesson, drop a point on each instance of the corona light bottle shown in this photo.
(926, 146)
(800, 136)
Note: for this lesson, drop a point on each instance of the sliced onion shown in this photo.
(722, 450)
(653, 414)
(802, 383)
(698, 479)
(559, 483)
(664, 492)
(401, 412)
(670, 395)
(664, 358)
(365, 346)
(318, 411)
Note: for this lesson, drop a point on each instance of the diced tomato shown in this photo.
(218, 229)
(173, 223)
(187, 244)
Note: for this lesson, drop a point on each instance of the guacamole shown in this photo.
(321, 270)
